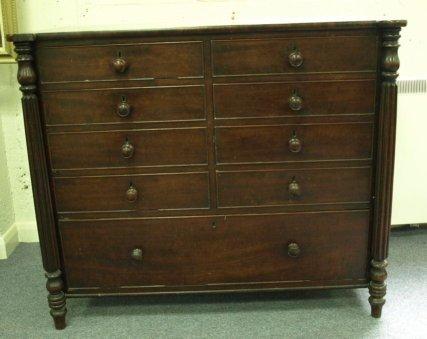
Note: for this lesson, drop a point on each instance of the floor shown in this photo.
(308, 314)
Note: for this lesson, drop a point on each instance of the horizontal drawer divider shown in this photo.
(367, 118)
(296, 165)
(251, 286)
(119, 84)
(215, 212)
(290, 161)
(116, 80)
(128, 126)
(135, 170)
(291, 73)
(133, 174)
(132, 130)
(338, 76)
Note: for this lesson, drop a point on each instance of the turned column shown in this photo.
(389, 36)
(46, 225)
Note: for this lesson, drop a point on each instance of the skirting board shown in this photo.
(8, 241)
(27, 231)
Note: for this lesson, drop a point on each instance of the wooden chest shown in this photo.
(212, 159)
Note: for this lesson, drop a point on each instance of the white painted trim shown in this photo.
(8, 241)
(27, 231)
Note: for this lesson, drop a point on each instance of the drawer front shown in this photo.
(305, 142)
(240, 249)
(130, 193)
(128, 148)
(298, 98)
(138, 61)
(287, 187)
(312, 55)
(125, 105)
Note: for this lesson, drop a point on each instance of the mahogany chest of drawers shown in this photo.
(212, 159)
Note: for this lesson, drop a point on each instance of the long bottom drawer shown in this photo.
(293, 247)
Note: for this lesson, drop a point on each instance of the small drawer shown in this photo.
(158, 60)
(277, 99)
(290, 187)
(298, 247)
(294, 55)
(156, 147)
(148, 104)
(123, 193)
(304, 142)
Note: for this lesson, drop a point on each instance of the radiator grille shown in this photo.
(412, 86)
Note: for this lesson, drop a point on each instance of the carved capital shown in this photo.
(26, 74)
(390, 59)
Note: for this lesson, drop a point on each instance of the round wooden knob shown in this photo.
(127, 150)
(294, 189)
(131, 194)
(123, 109)
(293, 250)
(295, 102)
(295, 145)
(296, 59)
(136, 254)
(120, 65)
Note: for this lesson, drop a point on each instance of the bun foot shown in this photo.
(59, 321)
(376, 310)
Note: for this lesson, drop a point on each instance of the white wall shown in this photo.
(8, 230)
(69, 15)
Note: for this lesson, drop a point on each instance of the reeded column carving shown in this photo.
(46, 225)
(384, 175)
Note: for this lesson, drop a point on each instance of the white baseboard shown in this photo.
(27, 231)
(8, 241)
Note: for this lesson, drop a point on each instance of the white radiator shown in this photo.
(410, 174)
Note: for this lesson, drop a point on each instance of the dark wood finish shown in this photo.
(40, 183)
(276, 99)
(111, 193)
(146, 104)
(384, 186)
(250, 144)
(240, 249)
(215, 159)
(142, 61)
(283, 187)
(273, 56)
(151, 148)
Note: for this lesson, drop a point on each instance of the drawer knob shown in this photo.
(127, 150)
(295, 101)
(136, 254)
(293, 250)
(131, 193)
(294, 144)
(120, 65)
(295, 59)
(123, 109)
(294, 188)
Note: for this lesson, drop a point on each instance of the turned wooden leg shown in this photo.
(56, 298)
(377, 287)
